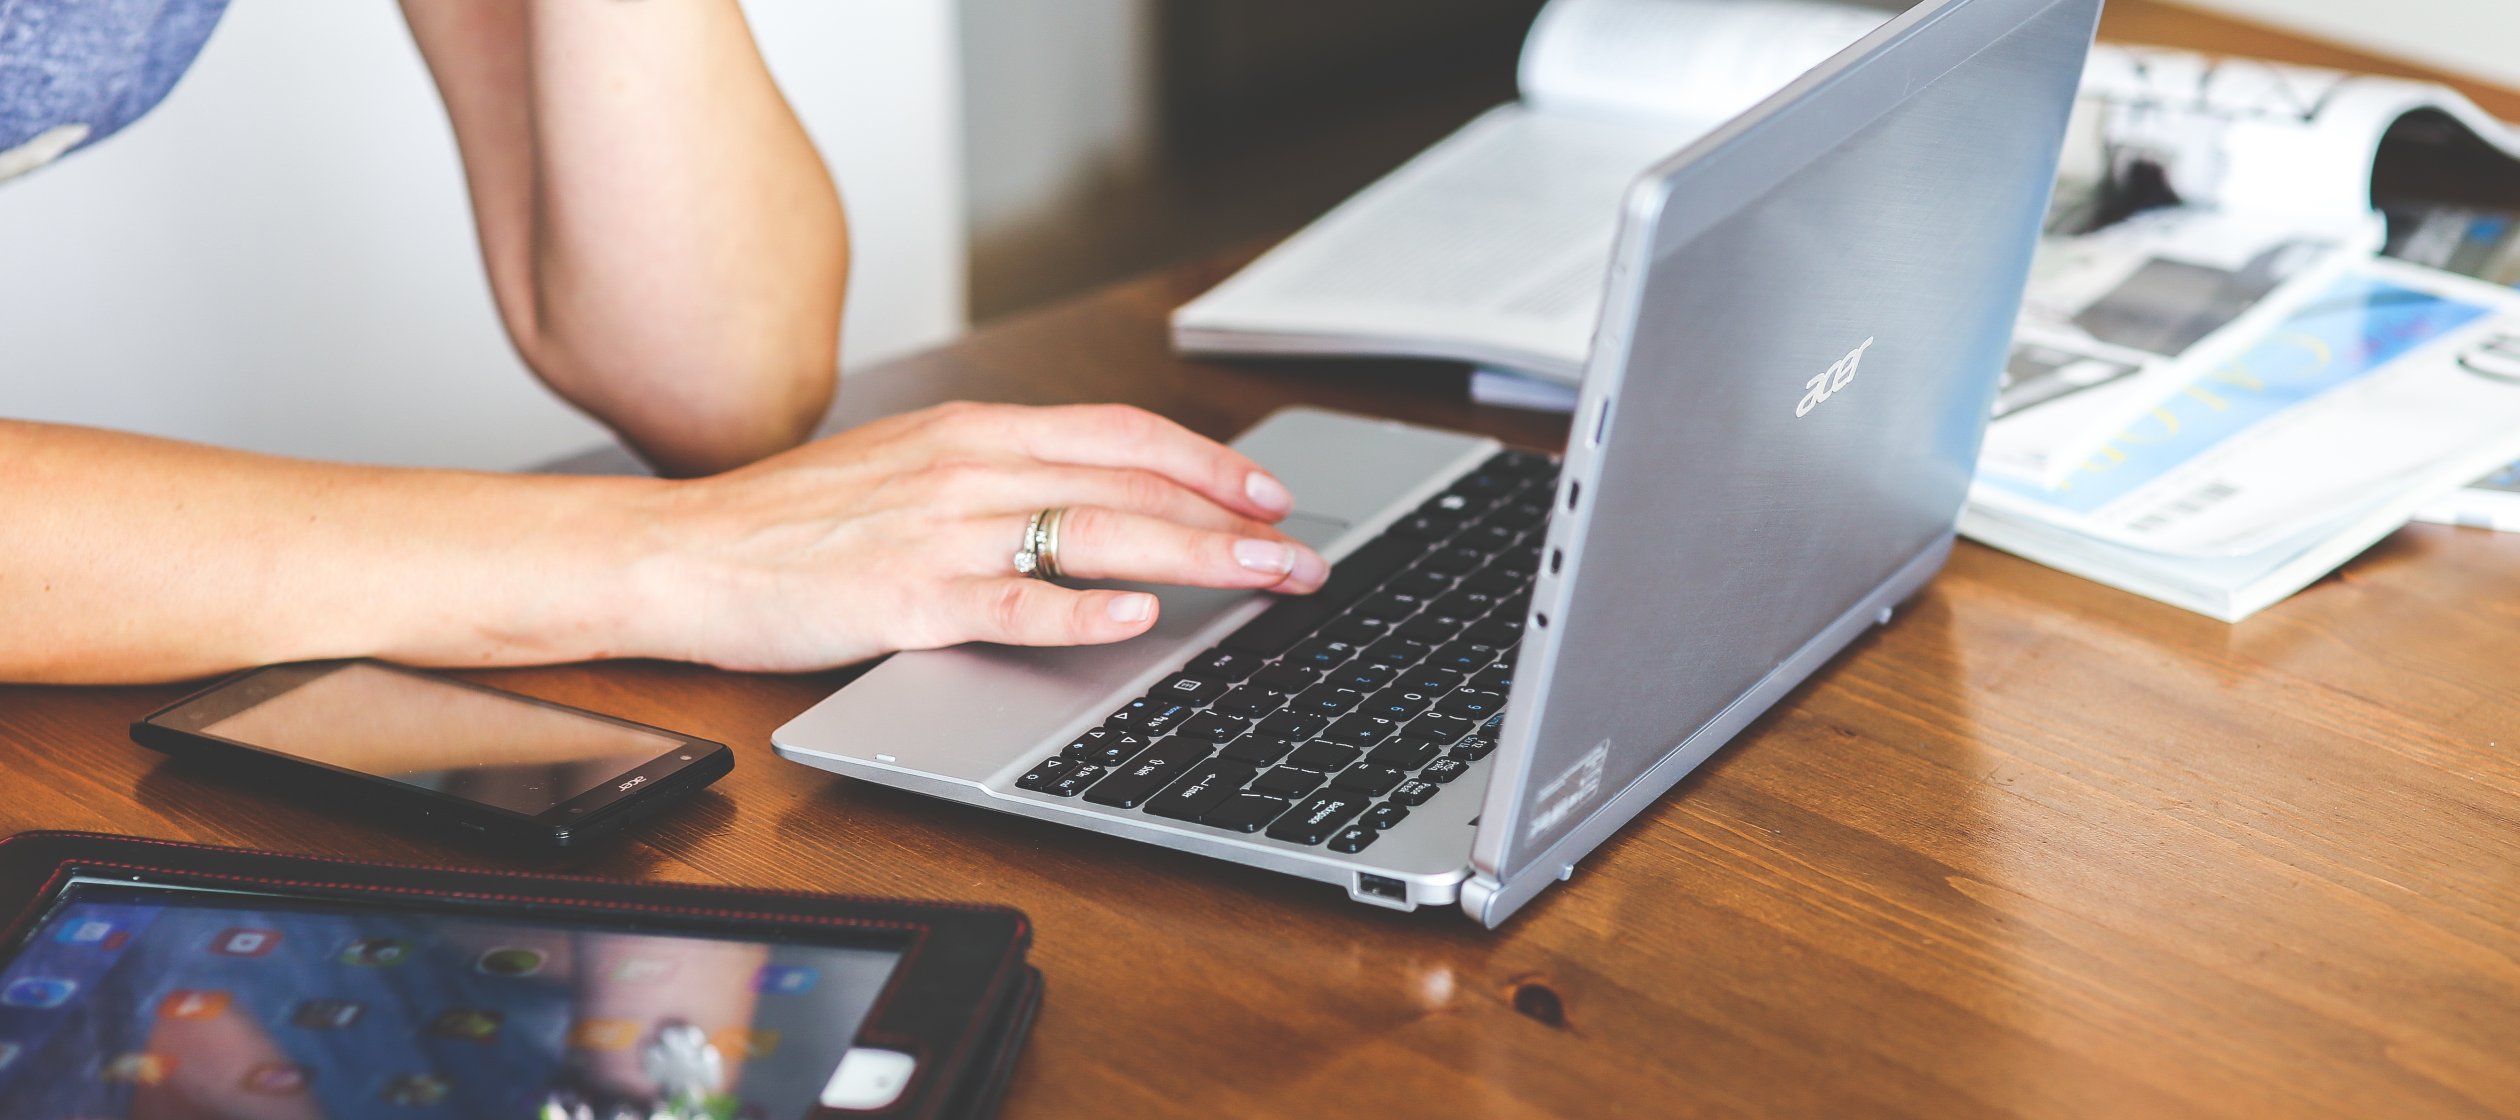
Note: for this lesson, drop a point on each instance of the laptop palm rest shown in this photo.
(971, 713)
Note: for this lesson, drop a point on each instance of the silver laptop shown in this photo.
(1806, 317)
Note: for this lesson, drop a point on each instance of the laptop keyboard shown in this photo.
(1329, 717)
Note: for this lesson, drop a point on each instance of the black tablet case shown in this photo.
(968, 1057)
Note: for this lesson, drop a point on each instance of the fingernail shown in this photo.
(1131, 608)
(1309, 567)
(1265, 556)
(1267, 492)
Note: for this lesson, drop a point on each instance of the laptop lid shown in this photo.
(1806, 317)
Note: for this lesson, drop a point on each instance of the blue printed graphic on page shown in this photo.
(2359, 326)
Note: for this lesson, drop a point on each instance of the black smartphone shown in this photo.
(438, 751)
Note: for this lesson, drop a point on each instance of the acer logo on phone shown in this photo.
(1826, 385)
(634, 781)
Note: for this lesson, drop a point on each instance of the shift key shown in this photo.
(1207, 787)
(1130, 785)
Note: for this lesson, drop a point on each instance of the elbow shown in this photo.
(705, 412)
(706, 385)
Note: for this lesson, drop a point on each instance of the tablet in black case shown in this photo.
(148, 976)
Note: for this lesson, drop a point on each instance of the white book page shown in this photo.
(1496, 241)
(1689, 59)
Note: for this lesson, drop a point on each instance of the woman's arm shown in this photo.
(125, 558)
(665, 246)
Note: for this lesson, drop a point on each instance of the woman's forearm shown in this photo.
(665, 245)
(125, 558)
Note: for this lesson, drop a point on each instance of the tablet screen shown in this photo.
(148, 1001)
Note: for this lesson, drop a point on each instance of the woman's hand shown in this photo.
(901, 534)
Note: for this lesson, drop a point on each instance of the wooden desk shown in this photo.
(2041, 847)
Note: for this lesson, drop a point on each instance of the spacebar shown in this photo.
(1361, 571)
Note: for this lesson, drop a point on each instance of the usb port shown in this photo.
(1382, 886)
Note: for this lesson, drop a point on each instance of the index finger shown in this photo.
(1114, 435)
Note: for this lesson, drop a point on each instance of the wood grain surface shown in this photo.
(2038, 848)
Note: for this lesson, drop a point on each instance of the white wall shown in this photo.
(2478, 38)
(281, 257)
(1062, 100)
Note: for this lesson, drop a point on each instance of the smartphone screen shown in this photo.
(136, 1000)
(437, 735)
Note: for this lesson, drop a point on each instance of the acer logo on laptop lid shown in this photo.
(1827, 384)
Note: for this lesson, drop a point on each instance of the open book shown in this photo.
(1492, 246)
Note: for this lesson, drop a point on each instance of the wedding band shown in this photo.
(1039, 555)
(1051, 519)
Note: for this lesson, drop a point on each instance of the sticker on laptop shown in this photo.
(1559, 799)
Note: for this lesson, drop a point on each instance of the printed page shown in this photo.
(1494, 242)
(2262, 137)
(1687, 59)
(2394, 381)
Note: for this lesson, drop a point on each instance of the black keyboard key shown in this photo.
(1498, 679)
(1520, 515)
(1465, 656)
(1319, 654)
(1362, 675)
(1361, 729)
(1214, 727)
(1437, 727)
(1289, 679)
(1186, 689)
(1258, 750)
(1327, 700)
(1428, 527)
(1076, 781)
(1287, 781)
(1116, 749)
(1297, 726)
(1499, 584)
(1205, 787)
(1404, 754)
(1313, 821)
(1394, 604)
(1452, 561)
(1414, 792)
(1486, 484)
(1471, 705)
(1050, 770)
(1224, 665)
(1468, 603)
(1433, 680)
(1488, 537)
(1353, 838)
(1398, 703)
(1251, 700)
(1091, 743)
(1383, 816)
(1500, 631)
(1351, 628)
(1324, 757)
(1130, 785)
(1434, 627)
(1291, 620)
(1473, 748)
(1425, 585)
(1450, 504)
(1246, 812)
(1368, 779)
(1148, 715)
(1443, 770)
(1393, 653)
